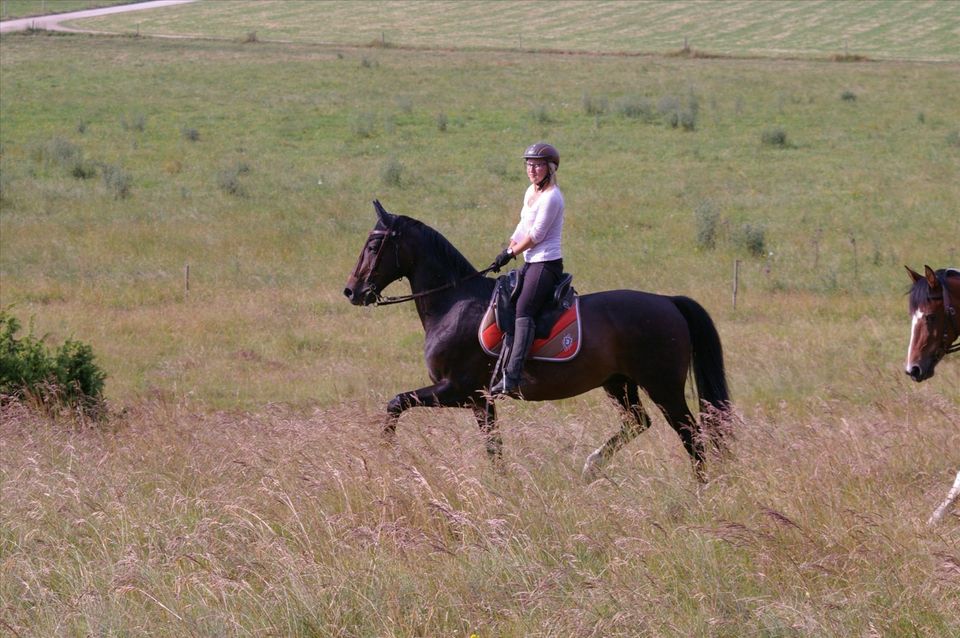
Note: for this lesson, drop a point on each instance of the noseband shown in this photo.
(388, 232)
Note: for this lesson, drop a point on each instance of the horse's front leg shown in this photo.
(439, 395)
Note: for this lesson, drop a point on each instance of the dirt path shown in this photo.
(52, 22)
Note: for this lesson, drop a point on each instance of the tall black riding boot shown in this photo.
(523, 334)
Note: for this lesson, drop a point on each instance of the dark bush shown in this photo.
(752, 238)
(774, 137)
(67, 377)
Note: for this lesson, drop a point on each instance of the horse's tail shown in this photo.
(708, 370)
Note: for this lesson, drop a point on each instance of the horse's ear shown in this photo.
(915, 276)
(382, 213)
(931, 277)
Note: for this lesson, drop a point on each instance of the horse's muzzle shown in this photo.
(361, 296)
(918, 374)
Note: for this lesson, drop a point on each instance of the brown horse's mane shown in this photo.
(920, 292)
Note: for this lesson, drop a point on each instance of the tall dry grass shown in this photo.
(169, 522)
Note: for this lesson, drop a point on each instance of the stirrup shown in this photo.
(504, 388)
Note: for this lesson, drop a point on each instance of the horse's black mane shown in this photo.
(437, 247)
(920, 292)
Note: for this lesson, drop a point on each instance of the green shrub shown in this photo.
(848, 96)
(540, 115)
(363, 125)
(752, 238)
(190, 134)
(68, 156)
(707, 219)
(392, 173)
(117, 181)
(83, 169)
(594, 105)
(677, 115)
(636, 108)
(774, 137)
(136, 123)
(442, 122)
(953, 139)
(67, 377)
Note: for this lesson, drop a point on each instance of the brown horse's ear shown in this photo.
(931, 278)
(915, 276)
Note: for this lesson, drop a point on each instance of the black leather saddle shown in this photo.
(505, 303)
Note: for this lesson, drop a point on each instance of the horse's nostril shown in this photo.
(348, 293)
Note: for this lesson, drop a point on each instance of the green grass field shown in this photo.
(240, 487)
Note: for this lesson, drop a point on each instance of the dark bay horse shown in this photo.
(631, 340)
(934, 321)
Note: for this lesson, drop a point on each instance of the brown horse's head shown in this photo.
(379, 263)
(934, 323)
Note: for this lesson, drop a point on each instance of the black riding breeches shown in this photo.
(537, 283)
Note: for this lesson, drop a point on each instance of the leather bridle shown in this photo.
(380, 300)
(949, 320)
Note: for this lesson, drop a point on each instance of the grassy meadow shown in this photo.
(239, 487)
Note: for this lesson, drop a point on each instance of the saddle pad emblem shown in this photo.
(562, 344)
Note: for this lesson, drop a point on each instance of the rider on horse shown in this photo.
(538, 236)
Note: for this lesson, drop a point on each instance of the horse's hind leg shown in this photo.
(485, 413)
(674, 407)
(635, 421)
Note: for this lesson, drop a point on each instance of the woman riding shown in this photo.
(538, 237)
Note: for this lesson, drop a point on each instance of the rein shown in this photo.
(388, 301)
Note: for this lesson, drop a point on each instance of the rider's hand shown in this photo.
(501, 260)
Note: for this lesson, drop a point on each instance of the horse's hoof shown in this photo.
(388, 431)
(591, 468)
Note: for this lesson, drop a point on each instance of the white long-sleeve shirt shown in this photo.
(543, 223)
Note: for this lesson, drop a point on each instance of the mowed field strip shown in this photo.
(916, 30)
